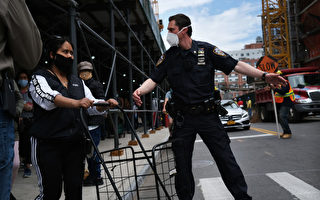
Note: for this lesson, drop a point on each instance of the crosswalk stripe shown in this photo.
(295, 186)
(243, 137)
(214, 188)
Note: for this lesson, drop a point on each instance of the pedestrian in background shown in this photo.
(16, 159)
(85, 69)
(249, 107)
(57, 132)
(164, 110)
(189, 66)
(25, 122)
(240, 103)
(235, 100)
(284, 98)
(20, 43)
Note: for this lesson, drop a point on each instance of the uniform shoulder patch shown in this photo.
(218, 52)
(161, 59)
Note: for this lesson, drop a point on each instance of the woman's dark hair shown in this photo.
(182, 21)
(52, 45)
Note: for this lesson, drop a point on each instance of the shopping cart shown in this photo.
(145, 174)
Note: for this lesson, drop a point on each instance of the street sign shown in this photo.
(267, 64)
(270, 65)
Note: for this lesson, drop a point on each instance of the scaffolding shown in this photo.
(276, 31)
(119, 37)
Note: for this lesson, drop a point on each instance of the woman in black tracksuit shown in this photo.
(57, 133)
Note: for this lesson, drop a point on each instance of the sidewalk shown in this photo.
(27, 188)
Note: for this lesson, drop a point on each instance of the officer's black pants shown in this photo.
(210, 129)
(57, 162)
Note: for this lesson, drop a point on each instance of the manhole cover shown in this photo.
(202, 163)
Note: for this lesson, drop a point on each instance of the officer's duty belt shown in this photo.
(201, 108)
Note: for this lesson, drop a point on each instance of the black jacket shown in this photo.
(190, 73)
(96, 89)
(58, 123)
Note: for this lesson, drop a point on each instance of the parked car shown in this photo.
(236, 117)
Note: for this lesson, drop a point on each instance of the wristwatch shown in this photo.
(263, 77)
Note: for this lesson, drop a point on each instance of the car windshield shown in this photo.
(304, 79)
(230, 105)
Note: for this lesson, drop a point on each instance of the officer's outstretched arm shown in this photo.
(145, 88)
(244, 68)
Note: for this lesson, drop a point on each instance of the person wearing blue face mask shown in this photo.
(25, 122)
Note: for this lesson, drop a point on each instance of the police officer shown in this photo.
(189, 66)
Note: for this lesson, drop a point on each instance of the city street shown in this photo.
(275, 169)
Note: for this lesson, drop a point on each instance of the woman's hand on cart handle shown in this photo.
(104, 105)
(84, 103)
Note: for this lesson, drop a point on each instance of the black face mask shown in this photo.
(63, 64)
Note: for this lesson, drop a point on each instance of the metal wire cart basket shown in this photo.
(145, 174)
(133, 176)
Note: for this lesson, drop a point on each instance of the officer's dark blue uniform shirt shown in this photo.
(191, 72)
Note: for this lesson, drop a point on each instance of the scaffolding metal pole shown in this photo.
(157, 109)
(98, 37)
(114, 78)
(130, 71)
(73, 34)
(150, 99)
(88, 50)
(111, 74)
(141, 35)
(133, 33)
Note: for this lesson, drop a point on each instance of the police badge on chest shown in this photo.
(201, 57)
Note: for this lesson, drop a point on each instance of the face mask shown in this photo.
(173, 39)
(63, 64)
(85, 75)
(23, 83)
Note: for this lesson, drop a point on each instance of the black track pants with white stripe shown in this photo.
(57, 162)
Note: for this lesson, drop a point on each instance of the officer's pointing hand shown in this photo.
(275, 79)
(136, 97)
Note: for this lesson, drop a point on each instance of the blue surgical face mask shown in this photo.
(23, 83)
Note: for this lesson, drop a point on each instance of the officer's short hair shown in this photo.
(182, 21)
